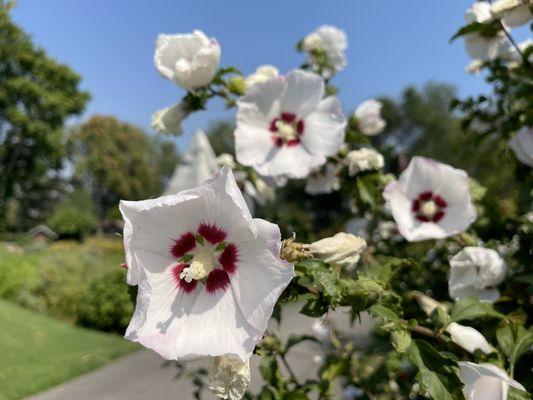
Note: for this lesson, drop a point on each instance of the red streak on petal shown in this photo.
(293, 142)
(425, 196)
(422, 218)
(277, 140)
(187, 287)
(217, 279)
(438, 216)
(212, 233)
(440, 201)
(183, 245)
(416, 206)
(273, 127)
(300, 127)
(229, 257)
(288, 118)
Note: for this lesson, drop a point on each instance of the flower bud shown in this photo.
(226, 159)
(368, 116)
(191, 60)
(343, 248)
(426, 303)
(468, 338)
(237, 85)
(229, 377)
(168, 120)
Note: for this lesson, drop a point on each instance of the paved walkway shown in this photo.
(144, 375)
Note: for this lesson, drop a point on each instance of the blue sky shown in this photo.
(110, 43)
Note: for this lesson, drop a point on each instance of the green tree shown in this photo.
(37, 94)
(115, 160)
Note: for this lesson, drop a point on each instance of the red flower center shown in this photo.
(429, 207)
(204, 257)
(286, 129)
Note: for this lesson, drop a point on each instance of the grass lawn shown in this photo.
(37, 352)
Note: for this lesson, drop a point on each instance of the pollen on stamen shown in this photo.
(187, 287)
(212, 233)
(217, 279)
(182, 245)
(228, 258)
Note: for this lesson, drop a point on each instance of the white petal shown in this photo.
(468, 338)
(478, 377)
(146, 226)
(265, 97)
(253, 142)
(324, 128)
(294, 162)
(522, 145)
(198, 164)
(304, 92)
(261, 276)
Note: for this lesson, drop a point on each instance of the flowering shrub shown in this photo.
(447, 282)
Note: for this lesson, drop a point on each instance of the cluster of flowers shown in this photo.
(209, 274)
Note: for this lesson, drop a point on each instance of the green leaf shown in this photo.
(401, 340)
(361, 293)
(266, 394)
(436, 372)
(523, 343)
(269, 369)
(469, 308)
(377, 310)
(314, 307)
(517, 394)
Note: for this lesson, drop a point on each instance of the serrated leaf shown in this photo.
(437, 372)
(469, 308)
(401, 340)
(385, 313)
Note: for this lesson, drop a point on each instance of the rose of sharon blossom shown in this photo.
(522, 145)
(189, 59)
(431, 200)
(468, 338)
(332, 41)
(262, 74)
(325, 180)
(208, 273)
(368, 115)
(229, 377)
(285, 127)
(512, 12)
(485, 381)
(168, 120)
(364, 159)
(343, 248)
(476, 271)
(481, 48)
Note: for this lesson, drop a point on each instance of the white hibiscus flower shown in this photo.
(189, 59)
(485, 381)
(330, 40)
(208, 273)
(481, 48)
(431, 200)
(364, 159)
(522, 145)
(368, 115)
(476, 271)
(286, 128)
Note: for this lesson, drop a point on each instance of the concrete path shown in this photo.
(144, 375)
